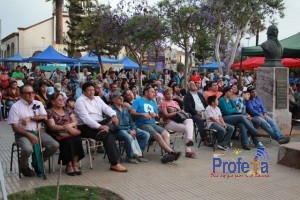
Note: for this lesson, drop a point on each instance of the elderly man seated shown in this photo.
(195, 104)
(24, 116)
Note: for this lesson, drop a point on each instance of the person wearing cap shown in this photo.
(241, 106)
(57, 89)
(232, 116)
(89, 110)
(144, 110)
(127, 130)
(256, 109)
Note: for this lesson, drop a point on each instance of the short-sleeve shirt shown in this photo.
(21, 109)
(142, 105)
(212, 112)
(60, 120)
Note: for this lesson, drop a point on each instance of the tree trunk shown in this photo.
(101, 67)
(257, 37)
(186, 63)
(238, 39)
(217, 52)
(59, 21)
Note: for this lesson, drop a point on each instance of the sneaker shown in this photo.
(132, 160)
(246, 147)
(168, 158)
(141, 159)
(284, 140)
(222, 147)
(177, 155)
(260, 145)
(27, 172)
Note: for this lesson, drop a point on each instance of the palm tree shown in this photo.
(59, 20)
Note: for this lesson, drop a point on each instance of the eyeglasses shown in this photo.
(28, 93)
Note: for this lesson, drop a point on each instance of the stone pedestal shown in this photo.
(289, 155)
(272, 88)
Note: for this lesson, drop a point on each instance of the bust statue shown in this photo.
(272, 48)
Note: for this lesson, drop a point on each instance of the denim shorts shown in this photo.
(152, 129)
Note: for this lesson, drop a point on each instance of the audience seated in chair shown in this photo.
(24, 124)
(233, 117)
(127, 130)
(144, 109)
(215, 121)
(195, 104)
(168, 109)
(257, 111)
(62, 125)
(91, 123)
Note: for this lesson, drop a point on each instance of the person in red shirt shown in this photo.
(195, 77)
(4, 79)
(213, 90)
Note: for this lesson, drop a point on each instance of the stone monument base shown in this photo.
(272, 89)
(289, 155)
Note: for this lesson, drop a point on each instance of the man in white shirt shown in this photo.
(24, 116)
(89, 110)
(194, 103)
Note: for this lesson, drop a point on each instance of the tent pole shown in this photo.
(78, 68)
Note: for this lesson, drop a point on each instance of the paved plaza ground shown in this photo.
(185, 179)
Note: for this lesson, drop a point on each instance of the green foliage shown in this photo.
(66, 192)
(180, 67)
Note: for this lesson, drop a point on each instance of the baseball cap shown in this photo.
(30, 78)
(57, 86)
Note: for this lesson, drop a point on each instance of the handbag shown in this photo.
(180, 115)
(136, 148)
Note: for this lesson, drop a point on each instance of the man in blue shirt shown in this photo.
(256, 109)
(127, 130)
(144, 109)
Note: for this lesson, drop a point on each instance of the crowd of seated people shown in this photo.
(107, 106)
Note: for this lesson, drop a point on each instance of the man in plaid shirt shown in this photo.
(241, 106)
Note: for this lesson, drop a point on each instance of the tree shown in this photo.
(59, 21)
(237, 17)
(136, 29)
(184, 22)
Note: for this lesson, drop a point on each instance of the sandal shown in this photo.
(191, 154)
(77, 172)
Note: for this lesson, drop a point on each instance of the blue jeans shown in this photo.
(270, 127)
(242, 123)
(224, 135)
(141, 136)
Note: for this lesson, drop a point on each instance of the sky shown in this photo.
(24, 13)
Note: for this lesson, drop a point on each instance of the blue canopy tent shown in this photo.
(91, 58)
(16, 58)
(50, 55)
(212, 66)
(129, 64)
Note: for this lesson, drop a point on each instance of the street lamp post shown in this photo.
(43, 38)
